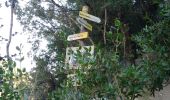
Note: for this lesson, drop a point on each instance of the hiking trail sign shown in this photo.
(84, 23)
(89, 17)
(78, 36)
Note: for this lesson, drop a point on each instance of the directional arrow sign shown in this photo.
(89, 17)
(82, 35)
(84, 23)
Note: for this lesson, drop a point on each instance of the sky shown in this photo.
(20, 38)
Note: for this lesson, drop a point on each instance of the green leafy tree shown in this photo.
(115, 73)
(8, 74)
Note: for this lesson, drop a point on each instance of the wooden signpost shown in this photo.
(85, 26)
(71, 60)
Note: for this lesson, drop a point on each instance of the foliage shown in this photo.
(46, 77)
(109, 78)
(12, 82)
(135, 58)
(154, 43)
(106, 78)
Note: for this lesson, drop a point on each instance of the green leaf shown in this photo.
(24, 70)
(117, 23)
(22, 59)
(17, 47)
(14, 64)
(19, 70)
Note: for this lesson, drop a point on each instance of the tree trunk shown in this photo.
(10, 32)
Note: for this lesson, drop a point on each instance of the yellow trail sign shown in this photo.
(78, 36)
(89, 17)
(84, 23)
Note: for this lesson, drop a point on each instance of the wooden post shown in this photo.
(82, 28)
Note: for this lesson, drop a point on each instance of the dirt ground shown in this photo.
(161, 95)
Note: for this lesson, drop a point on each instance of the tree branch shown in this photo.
(10, 32)
(105, 23)
(63, 9)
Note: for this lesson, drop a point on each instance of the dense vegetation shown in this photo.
(132, 48)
